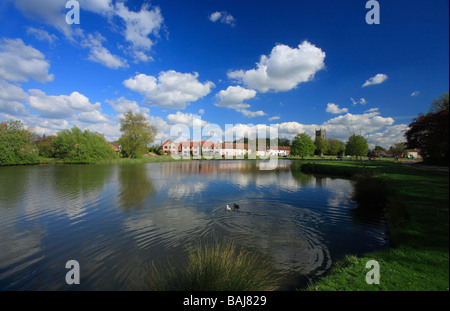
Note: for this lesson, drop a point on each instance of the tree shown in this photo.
(356, 146)
(379, 148)
(75, 146)
(16, 144)
(335, 147)
(429, 133)
(137, 134)
(46, 146)
(440, 104)
(399, 150)
(302, 145)
(321, 145)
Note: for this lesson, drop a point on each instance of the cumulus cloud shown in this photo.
(224, 17)
(234, 96)
(20, 62)
(138, 28)
(171, 89)
(94, 116)
(334, 109)
(187, 119)
(12, 98)
(284, 69)
(122, 105)
(415, 93)
(378, 79)
(60, 106)
(99, 54)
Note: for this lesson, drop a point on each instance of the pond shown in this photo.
(117, 219)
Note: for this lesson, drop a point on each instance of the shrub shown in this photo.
(16, 145)
(75, 146)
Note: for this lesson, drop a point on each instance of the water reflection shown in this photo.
(135, 186)
(115, 219)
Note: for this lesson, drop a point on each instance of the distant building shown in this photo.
(414, 154)
(321, 133)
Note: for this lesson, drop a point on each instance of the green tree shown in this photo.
(46, 146)
(137, 134)
(399, 150)
(302, 145)
(356, 146)
(335, 147)
(440, 104)
(379, 148)
(16, 144)
(429, 133)
(321, 145)
(75, 146)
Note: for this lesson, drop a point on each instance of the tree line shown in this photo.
(428, 133)
(19, 145)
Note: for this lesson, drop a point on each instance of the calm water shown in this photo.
(116, 219)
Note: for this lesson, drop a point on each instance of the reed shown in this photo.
(216, 266)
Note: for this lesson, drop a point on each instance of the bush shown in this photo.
(16, 145)
(74, 146)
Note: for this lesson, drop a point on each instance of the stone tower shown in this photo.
(321, 133)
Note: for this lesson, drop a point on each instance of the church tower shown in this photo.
(321, 133)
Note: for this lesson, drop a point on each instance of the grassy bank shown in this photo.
(416, 209)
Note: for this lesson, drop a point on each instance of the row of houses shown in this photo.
(412, 153)
(192, 148)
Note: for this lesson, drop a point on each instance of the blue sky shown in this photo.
(302, 65)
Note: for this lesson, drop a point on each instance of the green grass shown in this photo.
(416, 210)
(216, 266)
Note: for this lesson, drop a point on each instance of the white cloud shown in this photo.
(274, 118)
(41, 35)
(334, 109)
(99, 54)
(94, 116)
(171, 89)
(233, 97)
(61, 106)
(378, 79)
(416, 93)
(11, 98)
(362, 101)
(139, 26)
(224, 17)
(187, 119)
(252, 114)
(284, 69)
(389, 137)
(122, 105)
(50, 12)
(20, 62)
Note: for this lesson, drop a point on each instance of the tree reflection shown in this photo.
(134, 186)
